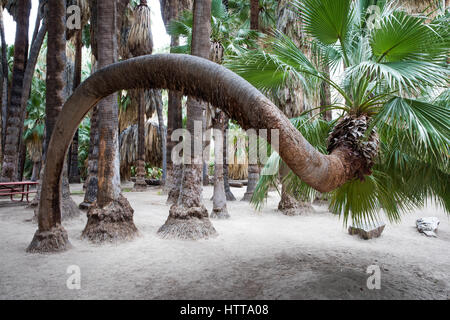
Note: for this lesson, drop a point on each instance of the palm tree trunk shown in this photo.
(230, 196)
(39, 35)
(219, 198)
(91, 183)
(141, 185)
(174, 171)
(4, 84)
(74, 171)
(14, 114)
(254, 14)
(253, 168)
(162, 133)
(51, 236)
(170, 10)
(188, 218)
(111, 217)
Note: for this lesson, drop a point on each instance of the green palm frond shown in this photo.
(327, 21)
(404, 37)
(421, 129)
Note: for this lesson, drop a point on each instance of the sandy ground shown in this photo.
(257, 255)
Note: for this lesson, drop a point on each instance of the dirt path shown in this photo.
(256, 256)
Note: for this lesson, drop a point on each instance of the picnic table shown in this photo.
(17, 188)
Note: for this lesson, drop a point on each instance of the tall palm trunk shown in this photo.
(140, 183)
(229, 195)
(74, 171)
(253, 168)
(111, 217)
(14, 121)
(51, 236)
(220, 210)
(188, 218)
(36, 44)
(170, 10)
(254, 14)
(4, 84)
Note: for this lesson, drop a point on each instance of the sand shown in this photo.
(257, 255)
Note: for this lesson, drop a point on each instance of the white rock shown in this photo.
(428, 226)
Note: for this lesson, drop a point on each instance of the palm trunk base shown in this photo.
(69, 209)
(220, 213)
(173, 183)
(230, 196)
(112, 223)
(55, 240)
(140, 185)
(290, 206)
(187, 224)
(247, 196)
(91, 193)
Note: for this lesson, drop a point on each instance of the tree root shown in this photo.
(112, 223)
(55, 240)
(187, 224)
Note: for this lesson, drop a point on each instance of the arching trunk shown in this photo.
(111, 217)
(188, 218)
(204, 80)
(14, 121)
(220, 210)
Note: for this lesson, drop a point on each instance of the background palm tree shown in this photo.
(170, 10)
(14, 122)
(188, 218)
(140, 42)
(111, 216)
(4, 82)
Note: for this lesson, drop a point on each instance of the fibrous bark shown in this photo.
(14, 122)
(92, 180)
(220, 210)
(4, 83)
(51, 236)
(188, 218)
(110, 217)
(230, 196)
(113, 222)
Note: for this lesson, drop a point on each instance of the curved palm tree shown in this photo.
(195, 77)
(386, 70)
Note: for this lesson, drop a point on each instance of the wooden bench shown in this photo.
(17, 188)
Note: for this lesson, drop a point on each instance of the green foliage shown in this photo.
(392, 73)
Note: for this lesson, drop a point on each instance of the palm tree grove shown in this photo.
(211, 152)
